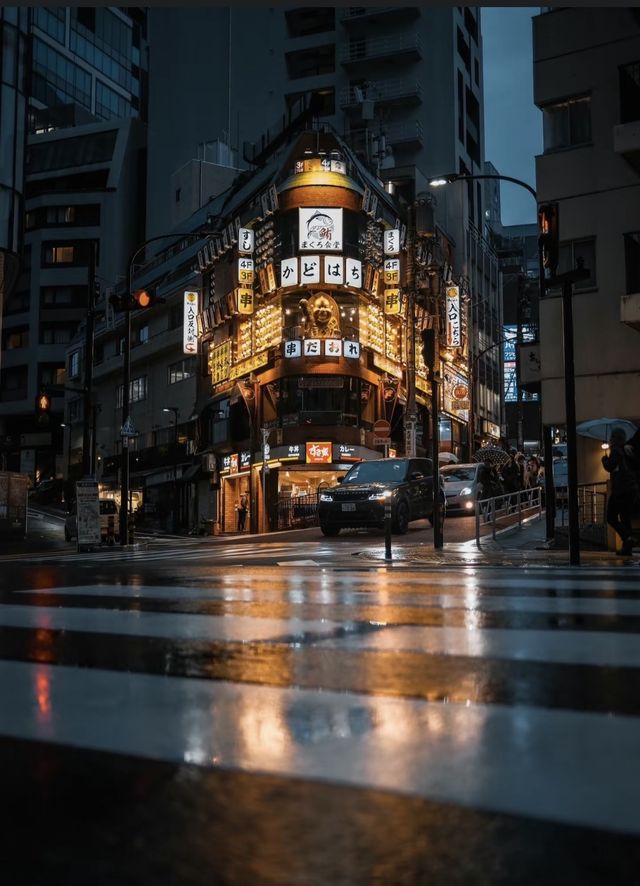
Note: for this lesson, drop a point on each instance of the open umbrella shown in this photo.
(601, 428)
(448, 458)
(494, 454)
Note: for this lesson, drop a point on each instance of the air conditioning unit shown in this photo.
(209, 463)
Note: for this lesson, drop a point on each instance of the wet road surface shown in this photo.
(180, 719)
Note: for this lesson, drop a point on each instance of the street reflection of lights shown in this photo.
(43, 694)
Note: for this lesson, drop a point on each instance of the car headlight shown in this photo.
(381, 496)
(466, 491)
(324, 496)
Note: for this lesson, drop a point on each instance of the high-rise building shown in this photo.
(587, 84)
(76, 193)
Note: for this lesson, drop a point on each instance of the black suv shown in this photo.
(359, 500)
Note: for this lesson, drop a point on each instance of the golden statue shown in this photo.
(320, 316)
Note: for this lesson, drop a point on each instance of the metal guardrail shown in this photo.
(502, 508)
(382, 90)
(298, 512)
(592, 511)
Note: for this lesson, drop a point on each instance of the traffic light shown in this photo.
(429, 347)
(142, 298)
(43, 406)
(549, 238)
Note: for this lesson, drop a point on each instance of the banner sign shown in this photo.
(392, 242)
(190, 329)
(319, 453)
(454, 317)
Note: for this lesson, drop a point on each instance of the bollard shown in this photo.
(387, 526)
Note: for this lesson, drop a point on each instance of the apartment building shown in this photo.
(587, 84)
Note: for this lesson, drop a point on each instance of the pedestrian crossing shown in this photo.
(482, 699)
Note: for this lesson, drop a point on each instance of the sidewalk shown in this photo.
(513, 546)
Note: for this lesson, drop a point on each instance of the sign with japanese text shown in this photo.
(289, 272)
(245, 461)
(271, 278)
(344, 452)
(245, 270)
(220, 362)
(333, 347)
(310, 269)
(245, 301)
(391, 271)
(392, 301)
(190, 330)
(293, 349)
(454, 318)
(453, 385)
(392, 242)
(319, 453)
(245, 241)
(333, 270)
(244, 367)
(351, 349)
(354, 273)
(87, 512)
(317, 347)
(319, 228)
(311, 347)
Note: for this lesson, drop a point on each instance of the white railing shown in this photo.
(503, 509)
(381, 90)
(378, 47)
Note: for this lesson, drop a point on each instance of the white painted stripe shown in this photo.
(559, 647)
(469, 602)
(563, 766)
(175, 626)
(298, 563)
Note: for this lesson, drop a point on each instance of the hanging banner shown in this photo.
(454, 317)
(190, 328)
(245, 301)
(392, 242)
(319, 229)
(245, 241)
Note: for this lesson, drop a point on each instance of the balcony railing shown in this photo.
(397, 89)
(350, 14)
(356, 51)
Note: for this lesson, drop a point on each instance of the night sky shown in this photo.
(513, 125)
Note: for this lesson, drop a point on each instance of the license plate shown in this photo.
(348, 507)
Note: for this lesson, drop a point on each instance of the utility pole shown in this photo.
(92, 292)
(411, 418)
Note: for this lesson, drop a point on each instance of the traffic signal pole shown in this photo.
(88, 364)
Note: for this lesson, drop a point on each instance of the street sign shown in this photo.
(381, 441)
(128, 429)
(87, 512)
(382, 428)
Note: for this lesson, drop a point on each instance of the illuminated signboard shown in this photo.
(190, 330)
(245, 461)
(454, 317)
(319, 228)
(319, 453)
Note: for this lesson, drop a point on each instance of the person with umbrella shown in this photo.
(624, 491)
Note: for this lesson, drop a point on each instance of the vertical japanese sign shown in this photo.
(245, 241)
(391, 271)
(245, 301)
(392, 301)
(190, 331)
(392, 242)
(454, 319)
(88, 512)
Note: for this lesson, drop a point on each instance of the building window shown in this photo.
(567, 123)
(58, 255)
(56, 334)
(16, 338)
(311, 62)
(143, 335)
(630, 93)
(182, 370)
(137, 391)
(632, 261)
(571, 251)
(312, 20)
(51, 374)
(74, 364)
(321, 101)
(63, 296)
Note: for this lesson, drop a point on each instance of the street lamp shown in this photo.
(174, 410)
(574, 541)
(126, 372)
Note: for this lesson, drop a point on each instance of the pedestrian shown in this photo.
(511, 476)
(531, 473)
(623, 493)
(242, 512)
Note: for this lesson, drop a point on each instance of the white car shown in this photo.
(109, 521)
(461, 487)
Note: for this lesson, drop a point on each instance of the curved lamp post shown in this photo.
(126, 373)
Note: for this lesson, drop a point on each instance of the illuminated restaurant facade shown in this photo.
(309, 324)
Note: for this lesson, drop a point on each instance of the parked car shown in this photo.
(359, 500)
(462, 488)
(109, 521)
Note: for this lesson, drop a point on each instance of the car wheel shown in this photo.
(329, 530)
(401, 522)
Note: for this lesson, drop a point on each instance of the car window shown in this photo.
(458, 474)
(388, 470)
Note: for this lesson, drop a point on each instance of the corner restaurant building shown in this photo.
(304, 326)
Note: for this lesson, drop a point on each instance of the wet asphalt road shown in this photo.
(222, 713)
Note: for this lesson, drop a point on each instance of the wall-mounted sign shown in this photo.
(244, 300)
(190, 329)
(391, 271)
(392, 301)
(245, 461)
(333, 347)
(454, 384)
(317, 347)
(244, 367)
(229, 464)
(333, 270)
(319, 228)
(343, 452)
(319, 453)
(245, 241)
(392, 242)
(220, 362)
(354, 273)
(245, 270)
(289, 272)
(387, 366)
(454, 318)
(271, 278)
(310, 269)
